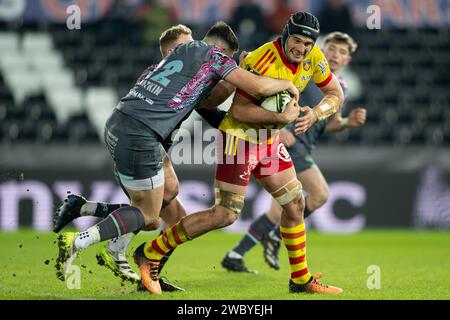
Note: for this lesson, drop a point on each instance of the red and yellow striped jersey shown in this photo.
(269, 60)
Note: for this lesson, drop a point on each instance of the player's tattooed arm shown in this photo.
(243, 110)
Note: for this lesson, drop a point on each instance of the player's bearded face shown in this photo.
(298, 47)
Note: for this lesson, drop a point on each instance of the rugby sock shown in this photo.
(295, 241)
(86, 238)
(167, 241)
(256, 231)
(99, 209)
(165, 258)
(88, 208)
(103, 209)
(120, 222)
(120, 244)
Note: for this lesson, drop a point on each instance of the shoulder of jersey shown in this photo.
(315, 53)
(262, 58)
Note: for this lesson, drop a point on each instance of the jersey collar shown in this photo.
(289, 65)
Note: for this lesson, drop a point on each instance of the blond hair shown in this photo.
(341, 37)
(170, 35)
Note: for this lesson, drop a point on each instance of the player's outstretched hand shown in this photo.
(357, 117)
(286, 137)
(305, 121)
(291, 112)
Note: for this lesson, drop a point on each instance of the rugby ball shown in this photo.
(276, 102)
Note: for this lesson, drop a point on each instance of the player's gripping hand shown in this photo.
(291, 112)
(286, 137)
(242, 57)
(305, 121)
(293, 91)
(357, 118)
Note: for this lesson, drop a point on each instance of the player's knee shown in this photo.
(227, 216)
(228, 205)
(291, 191)
(299, 201)
(171, 188)
(230, 200)
(151, 224)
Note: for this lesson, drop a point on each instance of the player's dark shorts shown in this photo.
(301, 157)
(135, 148)
(239, 159)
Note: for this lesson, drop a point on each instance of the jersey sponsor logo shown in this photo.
(251, 166)
(282, 153)
(305, 78)
(307, 65)
(323, 67)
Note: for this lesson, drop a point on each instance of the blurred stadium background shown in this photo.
(57, 87)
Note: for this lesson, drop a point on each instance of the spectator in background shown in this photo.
(249, 23)
(118, 26)
(277, 19)
(335, 15)
(154, 18)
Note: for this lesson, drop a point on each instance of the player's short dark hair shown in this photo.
(223, 31)
(341, 37)
(173, 33)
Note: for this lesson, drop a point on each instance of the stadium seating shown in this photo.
(59, 86)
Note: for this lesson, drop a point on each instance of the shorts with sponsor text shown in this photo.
(238, 159)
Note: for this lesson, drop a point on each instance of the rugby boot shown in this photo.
(148, 269)
(67, 212)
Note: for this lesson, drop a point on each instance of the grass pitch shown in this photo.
(413, 265)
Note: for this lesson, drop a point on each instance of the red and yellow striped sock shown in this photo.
(295, 241)
(169, 239)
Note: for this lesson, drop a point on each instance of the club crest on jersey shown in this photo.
(307, 65)
(282, 153)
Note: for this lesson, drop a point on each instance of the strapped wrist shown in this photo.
(344, 123)
(327, 107)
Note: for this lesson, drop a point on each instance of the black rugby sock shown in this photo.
(256, 231)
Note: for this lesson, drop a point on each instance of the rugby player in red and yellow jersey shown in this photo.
(244, 150)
